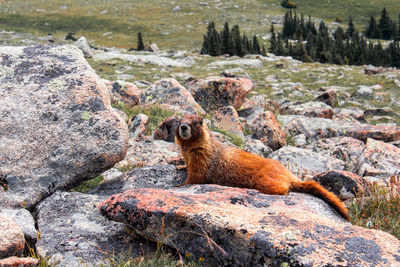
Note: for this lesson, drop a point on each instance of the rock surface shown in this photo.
(20, 262)
(226, 118)
(57, 128)
(73, 231)
(216, 92)
(138, 125)
(25, 221)
(265, 128)
(295, 230)
(84, 46)
(310, 109)
(12, 241)
(166, 130)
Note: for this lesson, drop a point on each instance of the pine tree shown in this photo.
(350, 29)
(140, 45)
(373, 30)
(256, 46)
(272, 46)
(227, 42)
(239, 51)
(385, 25)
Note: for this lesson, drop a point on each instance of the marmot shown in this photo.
(209, 161)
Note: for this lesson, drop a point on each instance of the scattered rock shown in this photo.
(138, 125)
(66, 130)
(363, 92)
(154, 48)
(84, 46)
(257, 147)
(111, 174)
(166, 130)
(310, 109)
(164, 176)
(265, 128)
(386, 111)
(12, 240)
(329, 97)
(349, 114)
(20, 262)
(73, 231)
(226, 118)
(170, 92)
(380, 159)
(254, 63)
(235, 73)
(344, 184)
(125, 92)
(372, 70)
(25, 221)
(176, 9)
(250, 113)
(271, 230)
(216, 92)
(306, 163)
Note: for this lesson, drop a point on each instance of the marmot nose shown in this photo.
(184, 127)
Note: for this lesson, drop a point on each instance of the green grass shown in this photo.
(378, 208)
(88, 185)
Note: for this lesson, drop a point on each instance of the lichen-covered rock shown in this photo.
(265, 128)
(84, 46)
(12, 241)
(344, 184)
(124, 92)
(19, 262)
(138, 125)
(166, 130)
(164, 176)
(329, 97)
(315, 128)
(226, 118)
(170, 93)
(73, 231)
(363, 92)
(240, 227)
(310, 109)
(380, 159)
(306, 163)
(25, 221)
(347, 149)
(257, 147)
(57, 126)
(216, 92)
(146, 152)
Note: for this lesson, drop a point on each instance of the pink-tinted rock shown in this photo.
(57, 126)
(216, 92)
(343, 148)
(324, 128)
(380, 159)
(12, 241)
(344, 184)
(372, 70)
(138, 125)
(265, 128)
(166, 130)
(329, 97)
(125, 92)
(240, 227)
(19, 262)
(352, 114)
(170, 93)
(226, 118)
(310, 109)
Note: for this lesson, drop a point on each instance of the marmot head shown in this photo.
(190, 128)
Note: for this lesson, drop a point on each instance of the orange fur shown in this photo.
(209, 161)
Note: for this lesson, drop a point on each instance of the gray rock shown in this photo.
(138, 125)
(84, 46)
(73, 231)
(257, 147)
(25, 221)
(163, 176)
(237, 62)
(176, 9)
(364, 92)
(304, 162)
(65, 131)
(111, 174)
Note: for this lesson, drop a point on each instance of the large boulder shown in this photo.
(57, 126)
(12, 241)
(241, 227)
(216, 92)
(73, 232)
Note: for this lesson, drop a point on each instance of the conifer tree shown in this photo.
(140, 45)
(373, 30)
(256, 46)
(227, 42)
(239, 51)
(385, 25)
(350, 29)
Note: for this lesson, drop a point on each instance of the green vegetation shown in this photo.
(378, 208)
(88, 185)
(155, 113)
(234, 139)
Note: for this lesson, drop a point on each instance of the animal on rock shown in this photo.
(209, 161)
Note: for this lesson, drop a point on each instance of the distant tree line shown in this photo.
(385, 28)
(229, 41)
(302, 40)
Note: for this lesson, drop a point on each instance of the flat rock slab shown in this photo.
(315, 128)
(240, 227)
(57, 126)
(73, 231)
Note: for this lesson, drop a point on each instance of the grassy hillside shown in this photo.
(116, 23)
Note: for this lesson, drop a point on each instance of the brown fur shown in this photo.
(211, 162)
